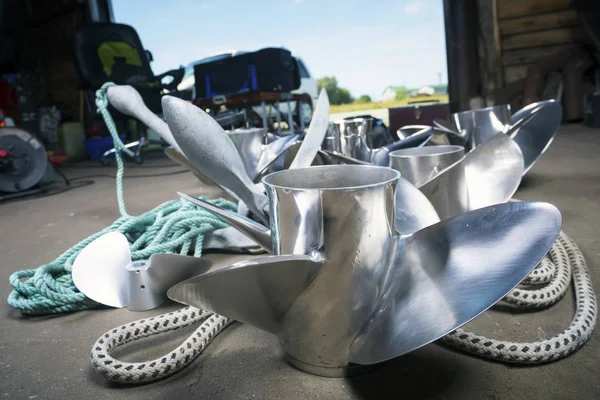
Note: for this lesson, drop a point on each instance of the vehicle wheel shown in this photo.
(307, 112)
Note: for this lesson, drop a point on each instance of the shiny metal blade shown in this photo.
(535, 136)
(105, 273)
(253, 230)
(315, 134)
(257, 292)
(413, 211)
(493, 171)
(271, 153)
(449, 273)
(99, 271)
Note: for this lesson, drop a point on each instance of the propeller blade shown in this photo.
(493, 171)
(257, 292)
(209, 149)
(449, 273)
(315, 134)
(104, 272)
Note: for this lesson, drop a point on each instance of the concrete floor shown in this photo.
(48, 357)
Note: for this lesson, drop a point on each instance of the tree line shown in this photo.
(339, 95)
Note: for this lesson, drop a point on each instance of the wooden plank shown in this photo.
(488, 42)
(528, 56)
(545, 38)
(521, 8)
(559, 19)
(515, 73)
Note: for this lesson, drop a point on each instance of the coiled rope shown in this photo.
(173, 227)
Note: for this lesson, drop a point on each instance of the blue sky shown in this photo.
(367, 45)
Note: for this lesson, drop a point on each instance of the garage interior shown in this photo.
(499, 52)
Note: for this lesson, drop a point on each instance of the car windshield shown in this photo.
(302, 69)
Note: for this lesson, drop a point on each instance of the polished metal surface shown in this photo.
(480, 124)
(493, 171)
(315, 134)
(412, 212)
(256, 152)
(448, 274)
(439, 173)
(419, 165)
(456, 183)
(210, 150)
(362, 293)
(533, 128)
(290, 155)
(350, 141)
(255, 231)
(536, 136)
(104, 272)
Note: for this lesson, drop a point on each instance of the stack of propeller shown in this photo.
(373, 252)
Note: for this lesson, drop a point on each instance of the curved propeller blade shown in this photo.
(257, 292)
(208, 147)
(315, 134)
(253, 230)
(104, 272)
(128, 101)
(535, 136)
(272, 152)
(184, 162)
(413, 211)
(449, 273)
(493, 171)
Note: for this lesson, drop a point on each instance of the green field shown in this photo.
(387, 104)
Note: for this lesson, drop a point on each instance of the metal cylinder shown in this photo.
(449, 192)
(420, 164)
(346, 211)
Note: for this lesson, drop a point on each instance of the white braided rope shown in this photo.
(567, 259)
(159, 368)
(563, 260)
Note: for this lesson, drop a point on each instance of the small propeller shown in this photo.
(104, 272)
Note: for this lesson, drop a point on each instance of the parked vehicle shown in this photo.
(308, 85)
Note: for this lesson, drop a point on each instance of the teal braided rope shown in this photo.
(102, 104)
(176, 227)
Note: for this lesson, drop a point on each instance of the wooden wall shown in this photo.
(534, 29)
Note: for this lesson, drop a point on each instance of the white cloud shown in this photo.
(298, 1)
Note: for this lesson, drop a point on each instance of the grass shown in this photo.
(383, 104)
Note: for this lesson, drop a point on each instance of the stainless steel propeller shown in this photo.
(456, 183)
(104, 272)
(209, 149)
(472, 128)
(344, 288)
(350, 141)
